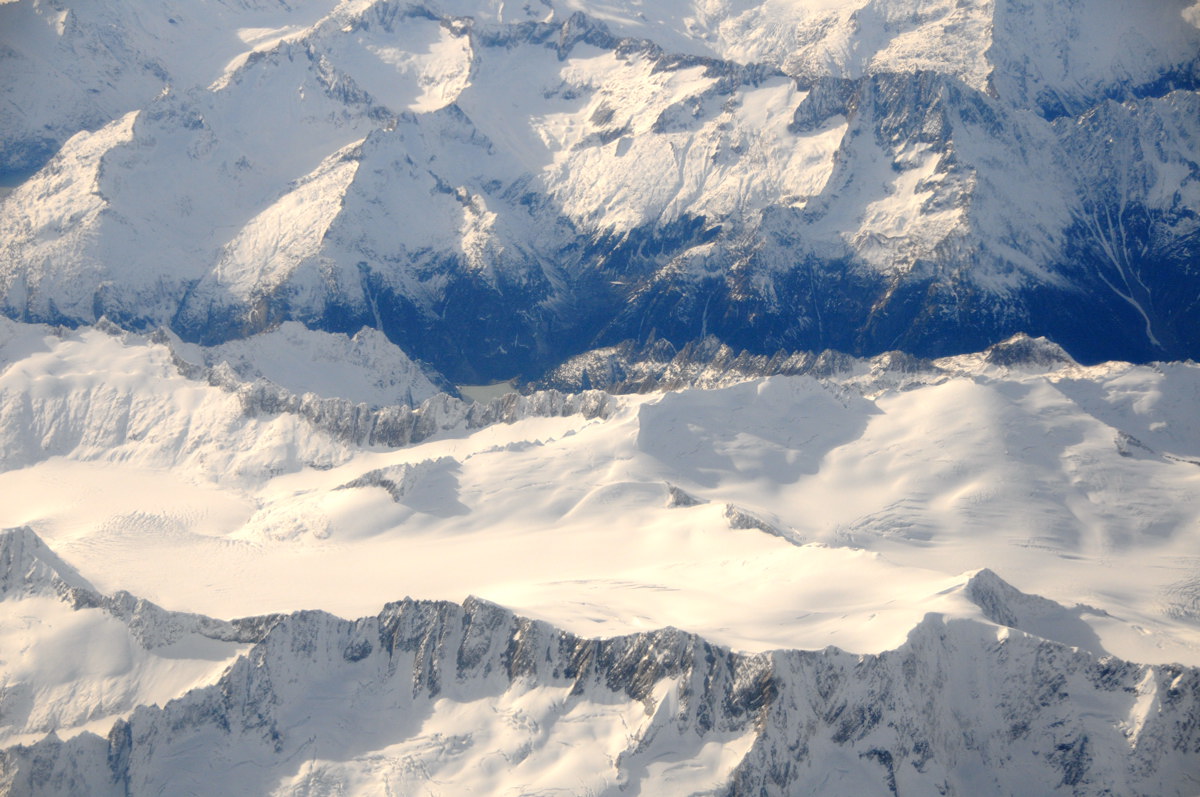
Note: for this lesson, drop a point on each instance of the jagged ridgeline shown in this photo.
(500, 188)
(426, 693)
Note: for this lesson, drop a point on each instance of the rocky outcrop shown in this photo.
(963, 707)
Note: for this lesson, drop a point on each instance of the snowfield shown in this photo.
(772, 514)
(775, 512)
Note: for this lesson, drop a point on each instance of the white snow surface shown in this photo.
(67, 670)
(837, 511)
(269, 148)
(70, 663)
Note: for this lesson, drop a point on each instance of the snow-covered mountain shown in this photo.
(877, 506)
(497, 187)
(797, 496)
(436, 698)
(76, 659)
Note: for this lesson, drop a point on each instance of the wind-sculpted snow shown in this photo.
(433, 695)
(498, 188)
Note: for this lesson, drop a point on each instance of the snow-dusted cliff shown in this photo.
(137, 399)
(78, 659)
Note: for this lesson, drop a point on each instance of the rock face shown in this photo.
(28, 567)
(657, 365)
(497, 189)
(326, 705)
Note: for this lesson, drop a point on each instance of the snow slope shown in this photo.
(365, 368)
(77, 660)
(1071, 482)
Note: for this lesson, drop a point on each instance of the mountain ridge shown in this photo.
(787, 714)
(498, 190)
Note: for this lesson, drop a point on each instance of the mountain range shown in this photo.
(599, 397)
(498, 188)
(791, 576)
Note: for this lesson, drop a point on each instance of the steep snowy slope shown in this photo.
(1057, 57)
(498, 187)
(75, 659)
(72, 66)
(365, 369)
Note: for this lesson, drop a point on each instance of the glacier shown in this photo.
(820, 536)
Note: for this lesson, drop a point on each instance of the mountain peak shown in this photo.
(1025, 352)
(28, 567)
(1004, 604)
